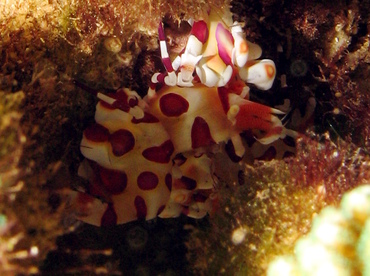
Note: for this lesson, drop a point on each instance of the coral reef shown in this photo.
(45, 47)
(337, 244)
(274, 207)
(11, 142)
(324, 51)
(256, 220)
(50, 49)
(330, 168)
(95, 41)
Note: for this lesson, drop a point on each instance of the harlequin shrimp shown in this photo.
(154, 156)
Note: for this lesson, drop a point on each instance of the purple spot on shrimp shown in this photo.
(225, 43)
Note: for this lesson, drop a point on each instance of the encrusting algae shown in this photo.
(52, 49)
(274, 207)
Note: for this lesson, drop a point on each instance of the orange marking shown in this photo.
(188, 67)
(270, 71)
(216, 64)
(243, 47)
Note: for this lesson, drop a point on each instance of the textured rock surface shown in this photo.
(46, 46)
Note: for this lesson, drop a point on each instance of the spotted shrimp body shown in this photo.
(154, 156)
